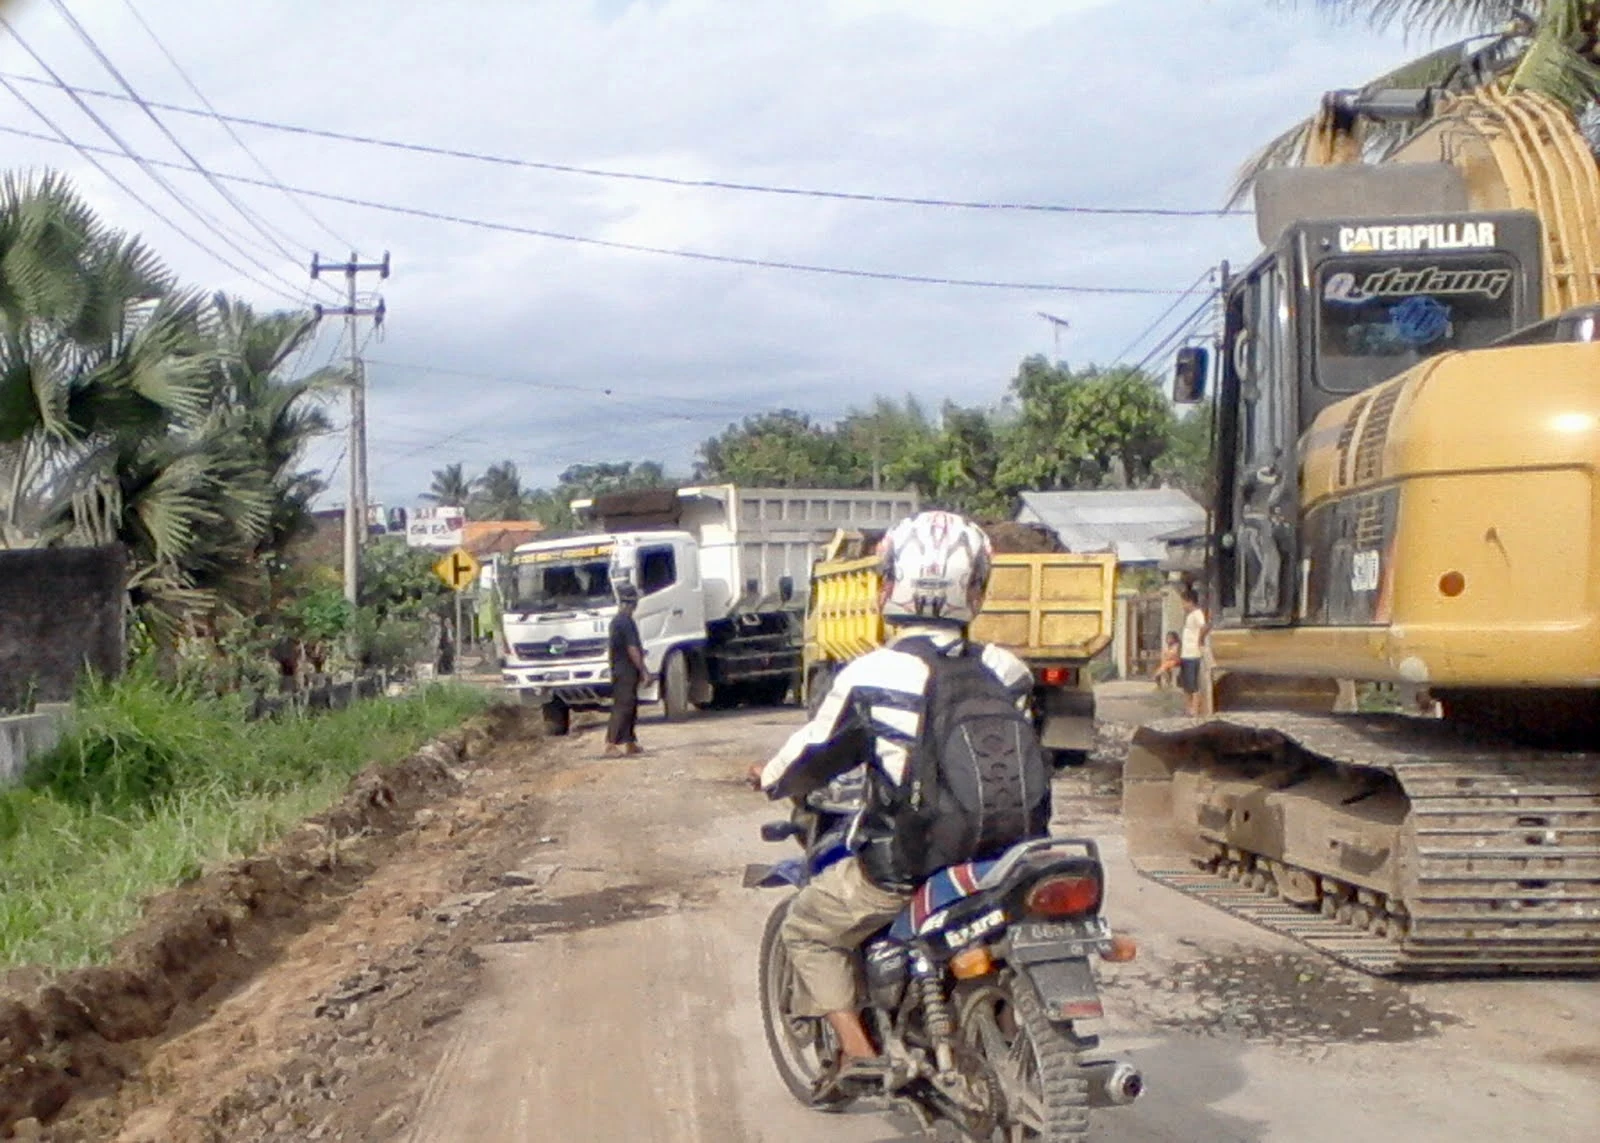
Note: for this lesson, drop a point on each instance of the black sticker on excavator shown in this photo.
(1346, 553)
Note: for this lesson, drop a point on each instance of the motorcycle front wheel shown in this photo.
(1046, 1094)
(801, 1046)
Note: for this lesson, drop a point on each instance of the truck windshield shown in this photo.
(1378, 315)
(552, 584)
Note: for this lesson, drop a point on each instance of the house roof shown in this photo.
(1136, 524)
(491, 537)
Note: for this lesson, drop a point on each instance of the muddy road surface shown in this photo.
(566, 953)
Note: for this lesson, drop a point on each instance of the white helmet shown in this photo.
(932, 564)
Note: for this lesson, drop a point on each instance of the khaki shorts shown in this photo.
(828, 919)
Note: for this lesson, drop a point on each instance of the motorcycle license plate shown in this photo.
(1035, 934)
(1066, 988)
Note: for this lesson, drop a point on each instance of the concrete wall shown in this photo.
(26, 736)
(61, 610)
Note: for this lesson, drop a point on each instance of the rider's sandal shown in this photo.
(855, 1077)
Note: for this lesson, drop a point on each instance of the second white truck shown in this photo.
(723, 574)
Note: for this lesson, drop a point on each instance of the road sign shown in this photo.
(458, 569)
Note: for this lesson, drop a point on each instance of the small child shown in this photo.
(1167, 672)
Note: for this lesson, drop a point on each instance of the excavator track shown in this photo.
(1486, 859)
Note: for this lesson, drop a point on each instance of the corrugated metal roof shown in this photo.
(1133, 523)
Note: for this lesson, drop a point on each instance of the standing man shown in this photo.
(1191, 650)
(627, 672)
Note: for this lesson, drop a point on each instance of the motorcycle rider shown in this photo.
(935, 570)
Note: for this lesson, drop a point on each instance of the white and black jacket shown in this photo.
(875, 705)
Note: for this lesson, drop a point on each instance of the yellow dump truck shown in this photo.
(1053, 609)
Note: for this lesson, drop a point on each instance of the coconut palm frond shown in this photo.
(1460, 66)
(1431, 17)
(1553, 66)
(1287, 150)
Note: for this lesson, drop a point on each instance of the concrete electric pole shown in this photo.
(355, 509)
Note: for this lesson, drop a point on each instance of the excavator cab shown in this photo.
(1333, 308)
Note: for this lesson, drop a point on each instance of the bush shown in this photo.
(154, 782)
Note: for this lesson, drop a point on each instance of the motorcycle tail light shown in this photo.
(1063, 896)
(970, 963)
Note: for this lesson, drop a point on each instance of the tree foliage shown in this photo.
(1057, 428)
(133, 411)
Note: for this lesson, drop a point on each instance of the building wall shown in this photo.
(61, 610)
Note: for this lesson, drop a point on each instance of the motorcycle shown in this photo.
(973, 991)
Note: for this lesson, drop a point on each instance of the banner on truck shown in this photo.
(436, 527)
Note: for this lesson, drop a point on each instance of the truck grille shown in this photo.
(551, 650)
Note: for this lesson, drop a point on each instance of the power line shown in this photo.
(88, 154)
(1165, 314)
(1182, 329)
(668, 180)
(228, 127)
(122, 81)
(638, 248)
(145, 164)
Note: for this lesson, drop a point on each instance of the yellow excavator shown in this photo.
(1405, 459)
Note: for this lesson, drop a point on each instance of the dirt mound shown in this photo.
(1013, 538)
(81, 1032)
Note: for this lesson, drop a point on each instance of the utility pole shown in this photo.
(355, 509)
(1059, 324)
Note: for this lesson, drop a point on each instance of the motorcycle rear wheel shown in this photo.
(801, 1046)
(1045, 1091)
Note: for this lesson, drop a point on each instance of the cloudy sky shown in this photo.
(550, 352)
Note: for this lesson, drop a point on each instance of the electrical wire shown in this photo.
(227, 126)
(1182, 329)
(638, 248)
(274, 240)
(88, 154)
(668, 180)
(1165, 314)
(144, 164)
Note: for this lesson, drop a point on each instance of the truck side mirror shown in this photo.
(1189, 375)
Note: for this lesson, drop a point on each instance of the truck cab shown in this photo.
(558, 602)
(1332, 308)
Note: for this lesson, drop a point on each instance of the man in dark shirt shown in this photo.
(627, 672)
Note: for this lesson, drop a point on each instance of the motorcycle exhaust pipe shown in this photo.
(1113, 1083)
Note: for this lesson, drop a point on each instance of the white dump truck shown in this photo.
(723, 575)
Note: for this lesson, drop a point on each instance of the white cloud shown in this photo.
(1076, 101)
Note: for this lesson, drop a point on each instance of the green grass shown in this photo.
(151, 787)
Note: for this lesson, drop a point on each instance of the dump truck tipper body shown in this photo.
(1054, 610)
(722, 572)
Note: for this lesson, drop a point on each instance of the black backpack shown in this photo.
(978, 781)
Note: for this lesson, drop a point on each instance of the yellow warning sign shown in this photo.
(458, 569)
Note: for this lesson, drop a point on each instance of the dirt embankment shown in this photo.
(79, 1036)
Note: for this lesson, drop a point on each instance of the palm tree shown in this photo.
(499, 494)
(97, 349)
(133, 412)
(1548, 47)
(451, 487)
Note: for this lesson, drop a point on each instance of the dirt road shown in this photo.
(647, 1029)
(565, 953)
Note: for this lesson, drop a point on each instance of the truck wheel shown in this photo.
(675, 704)
(770, 692)
(557, 718)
